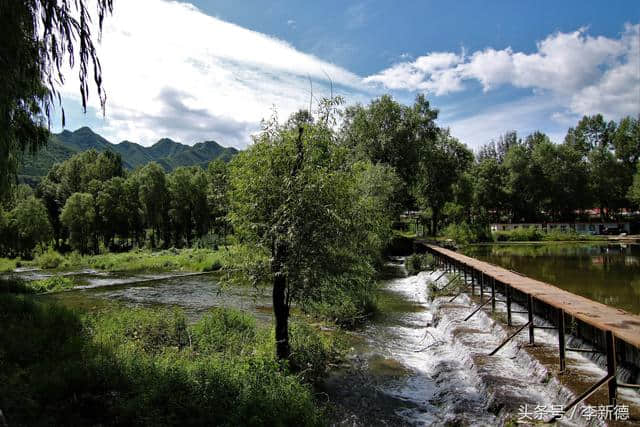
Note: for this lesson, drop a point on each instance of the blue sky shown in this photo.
(211, 70)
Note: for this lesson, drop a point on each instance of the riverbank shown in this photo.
(149, 366)
(141, 260)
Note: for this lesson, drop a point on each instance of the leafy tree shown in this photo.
(388, 132)
(79, 217)
(634, 189)
(188, 203)
(218, 195)
(591, 132)
(444, 162)
(489, 188)
(133, 207)
(30, 226)
(295, 195)
(38, 38)
(626, 142)
(153, 195)
(112, 210)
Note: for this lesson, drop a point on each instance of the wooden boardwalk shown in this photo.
(622, 325)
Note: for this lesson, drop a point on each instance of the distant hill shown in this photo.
(168, 153)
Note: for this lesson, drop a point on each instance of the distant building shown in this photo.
(578, 227)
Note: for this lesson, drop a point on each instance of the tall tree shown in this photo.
(79, 216)
(295, 195)
(442, 165)
(153, 195)
(388, 132)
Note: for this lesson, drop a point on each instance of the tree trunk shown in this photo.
(281, 312)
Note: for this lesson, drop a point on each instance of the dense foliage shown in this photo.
(89, 201)
(319, 214)
(39, 38)
(149, 367)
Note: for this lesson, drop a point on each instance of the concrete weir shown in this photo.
(611, 332)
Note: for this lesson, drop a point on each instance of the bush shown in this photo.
(347, 301)
(532, 234)
(136, 367)
(525, 234)
(7, 265)
(224, 330)
(311, 352)
(51, 284)
(14, 285)
(417, 263)
(464, 233)
(401, 244)
(49, 259)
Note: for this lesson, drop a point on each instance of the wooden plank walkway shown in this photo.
(623, 325)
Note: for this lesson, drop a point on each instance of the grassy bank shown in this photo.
(140, 260)
(535, 235)
(464, 234)
(149, 367)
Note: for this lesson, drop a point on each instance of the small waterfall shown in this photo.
(451, 380)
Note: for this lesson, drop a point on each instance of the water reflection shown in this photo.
(608, 273)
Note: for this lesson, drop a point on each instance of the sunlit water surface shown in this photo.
(604, 272)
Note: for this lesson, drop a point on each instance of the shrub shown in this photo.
(224, 330)
(345, 300)
(417, 263)
(525, 234)
(7, 265)
(49, 259)
(14, 285)
(51, 284)
(532, 234)
(464, 233)
(135, 367)
(311, 352)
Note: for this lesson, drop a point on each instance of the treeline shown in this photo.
(533, 179)
(512, 179)
(89, 202)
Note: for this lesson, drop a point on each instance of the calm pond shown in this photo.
(604, 272)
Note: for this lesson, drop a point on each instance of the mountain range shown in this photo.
(168, 153)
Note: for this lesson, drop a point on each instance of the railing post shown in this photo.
(561, 343)
(508, 292)
(530, 311)
(474, 275)
(481, 286)
(493, 294)
(611, 366)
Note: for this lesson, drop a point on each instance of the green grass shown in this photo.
(183, 260)
(50, 284)
(7, 265)
(532, 234)
(150, 367)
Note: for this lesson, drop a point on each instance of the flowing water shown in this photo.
(422, 364)
(417, 363)
(604, 272)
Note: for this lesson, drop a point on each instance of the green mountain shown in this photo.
(168, 153)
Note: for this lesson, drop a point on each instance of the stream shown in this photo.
(416, 363)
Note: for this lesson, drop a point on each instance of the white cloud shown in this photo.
(434, 73)
(592, 74)
(171, 70)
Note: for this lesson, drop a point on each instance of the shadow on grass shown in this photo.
(141, 367)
